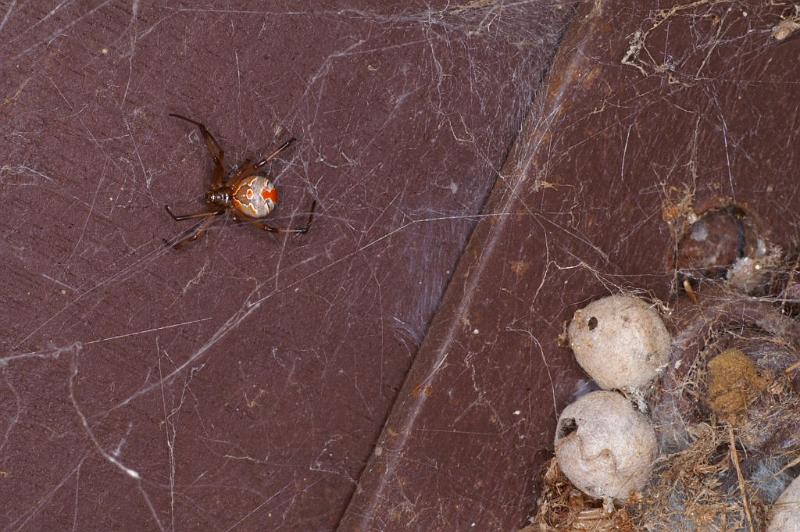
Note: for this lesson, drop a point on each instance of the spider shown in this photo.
(249, 196)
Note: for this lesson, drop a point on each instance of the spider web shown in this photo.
(240, 383)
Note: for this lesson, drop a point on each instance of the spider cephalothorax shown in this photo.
(247, 195)
(220, 198)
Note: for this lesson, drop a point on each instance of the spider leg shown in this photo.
(274, 154)
(182, 217)
(193, 233)
(291, 230)
(213, 148)
(246, 170)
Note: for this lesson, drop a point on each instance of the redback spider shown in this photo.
(249, 196)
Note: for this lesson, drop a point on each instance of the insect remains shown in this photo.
(247, 195)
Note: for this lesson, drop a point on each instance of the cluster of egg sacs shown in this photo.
(604, 444)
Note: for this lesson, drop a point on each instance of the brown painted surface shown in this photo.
(241, 383)
(651, 109)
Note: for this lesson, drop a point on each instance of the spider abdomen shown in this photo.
(254, 196)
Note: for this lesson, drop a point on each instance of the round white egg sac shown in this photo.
(786, 510)
(604, 446)
(619, 341)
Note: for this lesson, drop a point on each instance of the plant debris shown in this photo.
(727, 408)
(733, 382)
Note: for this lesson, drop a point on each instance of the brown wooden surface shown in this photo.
(708, 113)
(241, 383)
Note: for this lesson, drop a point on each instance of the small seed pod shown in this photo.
(619, 341)
(786, 510)
(604, 446)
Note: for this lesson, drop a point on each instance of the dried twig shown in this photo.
(742, 484)
(792, 368)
